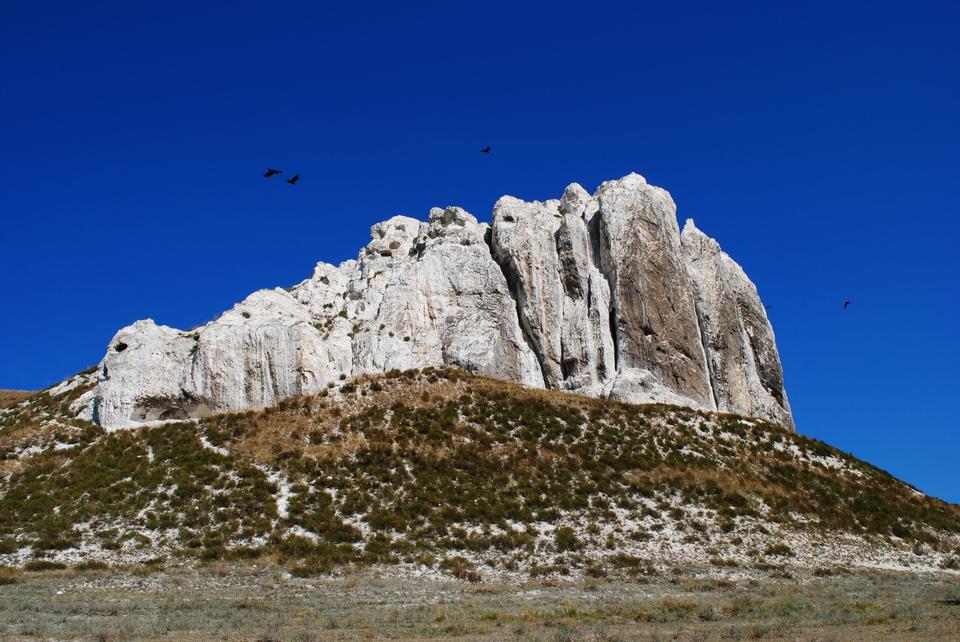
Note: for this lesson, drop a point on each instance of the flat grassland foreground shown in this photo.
(263, 602)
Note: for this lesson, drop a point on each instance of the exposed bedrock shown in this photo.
(598, 294)
(653, 311)
(738, 339)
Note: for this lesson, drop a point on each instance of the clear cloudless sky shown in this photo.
(817, 141)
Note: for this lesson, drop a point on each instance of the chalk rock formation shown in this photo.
(598, 294)
(737, 336)
(659, 350)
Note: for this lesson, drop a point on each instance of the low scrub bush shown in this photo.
(778, 549)
(43, 565)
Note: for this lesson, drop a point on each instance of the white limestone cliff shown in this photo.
(660, 355)
(744, 364)
(598, 294)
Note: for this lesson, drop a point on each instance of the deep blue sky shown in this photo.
(817, 142)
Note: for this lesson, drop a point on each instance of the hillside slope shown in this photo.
(442, 471)
(11, 397)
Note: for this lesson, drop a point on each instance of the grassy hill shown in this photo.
(12, 397)
(439, 472)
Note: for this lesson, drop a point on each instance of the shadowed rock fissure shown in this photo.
(706, 357)
(776, 391)
(593, 233)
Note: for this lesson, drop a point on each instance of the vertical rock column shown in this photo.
(660, 356)
(522, 242)
(742, 352)
(586, 345)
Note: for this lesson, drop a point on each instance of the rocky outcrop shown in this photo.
(738, 338)
(587, 352)
(598, 294)
(523, 243)
(429, 294)
(263, 350)
(653, 312)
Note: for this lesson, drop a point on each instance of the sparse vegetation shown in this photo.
(12, 397)
(227, 602)
(565, 538)
(778, 549)
(43, 565)
(425, 466)
(586, 499)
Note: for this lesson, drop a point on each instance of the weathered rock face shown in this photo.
(429, 294)
(652, 299)
(587, 353)
(596, 294)
(263, 350)
(738, 338)
(523, 244)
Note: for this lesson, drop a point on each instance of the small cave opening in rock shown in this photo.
(169, 409)
(569, 367)
(120, 347)
(173, 413)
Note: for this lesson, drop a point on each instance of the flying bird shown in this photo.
(293, 179)
(846, 303)
(485, 150)
(272, 172)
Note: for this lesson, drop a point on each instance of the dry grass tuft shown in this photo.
(12, 397)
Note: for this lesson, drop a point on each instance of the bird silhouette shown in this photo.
(293, 179)
(846, 303)
(272, 172)
(486, 150)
